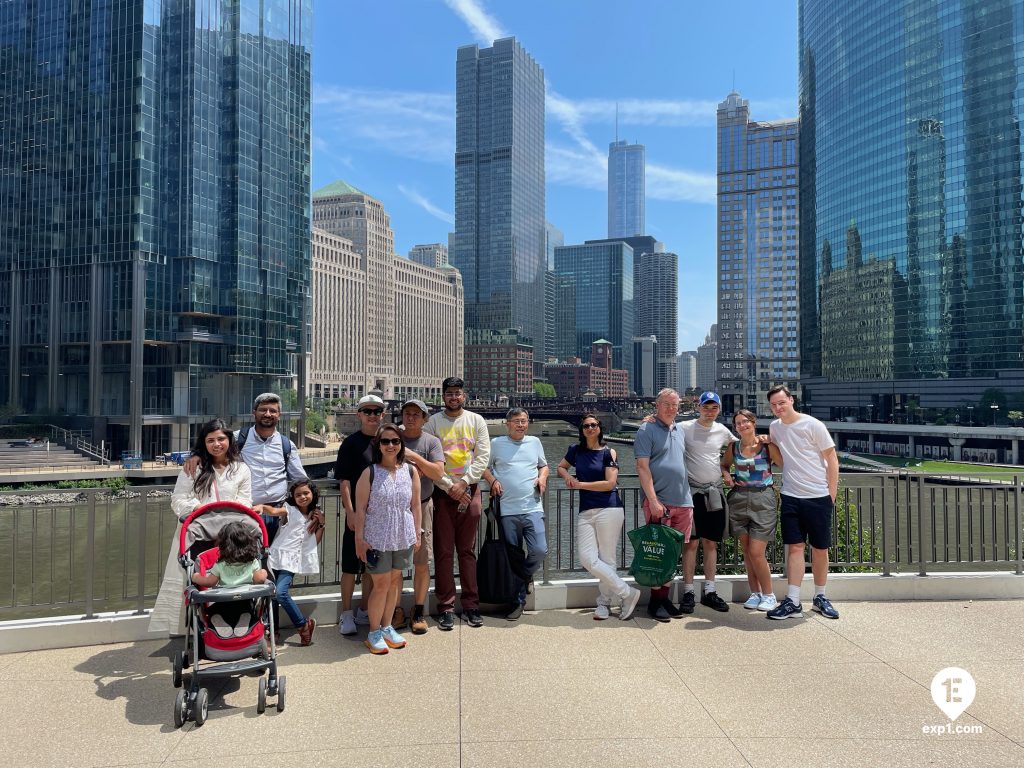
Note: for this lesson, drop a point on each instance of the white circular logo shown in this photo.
(953, 691)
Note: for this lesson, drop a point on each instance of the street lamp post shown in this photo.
(995, 410)
(970, 414)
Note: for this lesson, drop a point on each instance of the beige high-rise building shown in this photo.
(379, 321)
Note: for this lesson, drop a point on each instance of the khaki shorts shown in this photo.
(399, 560)
(753, 513)
(425, 554)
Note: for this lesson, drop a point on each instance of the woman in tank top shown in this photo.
(752, 505)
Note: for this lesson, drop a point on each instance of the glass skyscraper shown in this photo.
(601, 275)
(154, 209)
(499, 239)
(911, 250)
(758, 227)
(626, 179)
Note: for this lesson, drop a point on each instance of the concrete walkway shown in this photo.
(556, 689)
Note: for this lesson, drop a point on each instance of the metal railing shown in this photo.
(75, 440)
(90, 550)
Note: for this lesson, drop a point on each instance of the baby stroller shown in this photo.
(237, 644)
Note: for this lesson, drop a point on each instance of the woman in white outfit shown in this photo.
(599, 525)
(221, 477)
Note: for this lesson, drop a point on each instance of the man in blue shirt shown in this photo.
(518, 473)
(660, 448)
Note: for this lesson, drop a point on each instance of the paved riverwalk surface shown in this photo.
(556, 689)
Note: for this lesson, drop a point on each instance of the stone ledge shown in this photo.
(126, 627)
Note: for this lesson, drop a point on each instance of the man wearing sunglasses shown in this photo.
(467, 451)
(354, 456)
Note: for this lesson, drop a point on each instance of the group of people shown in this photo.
(412, 497)
(704, 481)
(257, 467)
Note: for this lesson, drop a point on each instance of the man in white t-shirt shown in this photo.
(810, 482)
(706, 438)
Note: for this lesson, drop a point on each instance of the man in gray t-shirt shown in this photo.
(660, 448)
(425, 453)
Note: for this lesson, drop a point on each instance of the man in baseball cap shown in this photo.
(426, 454)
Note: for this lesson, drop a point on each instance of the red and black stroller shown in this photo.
(224, 626)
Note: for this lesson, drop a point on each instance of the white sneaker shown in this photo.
(601, 613)
(629, 603)
(768, 603)
(753, 601)
(347, 625)
(362, 617)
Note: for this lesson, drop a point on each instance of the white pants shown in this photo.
(598, 531)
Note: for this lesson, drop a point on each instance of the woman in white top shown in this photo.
(222, 477)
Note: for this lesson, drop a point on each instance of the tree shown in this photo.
(543, 389)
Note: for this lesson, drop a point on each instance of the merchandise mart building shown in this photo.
(911, 250)
(154, 210)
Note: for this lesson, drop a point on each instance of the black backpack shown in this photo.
(286, 444)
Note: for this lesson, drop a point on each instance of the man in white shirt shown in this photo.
(810, 482)
(706, 438)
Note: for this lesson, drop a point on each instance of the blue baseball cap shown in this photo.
(710, 397)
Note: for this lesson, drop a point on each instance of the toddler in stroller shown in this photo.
(223, 549)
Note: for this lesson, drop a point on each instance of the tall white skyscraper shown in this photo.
(625, 189)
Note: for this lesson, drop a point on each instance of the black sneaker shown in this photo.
(714, 600)
(688, 603)
(656, 610)
(446, 620)
(472, 617)
(672, 610)
(515, 613)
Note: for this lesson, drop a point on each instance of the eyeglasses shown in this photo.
(592, 425)
(372, 411)
(391, 441)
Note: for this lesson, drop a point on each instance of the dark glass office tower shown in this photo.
(499, 243)
(912, 236)
(154, 209)
(600, 276)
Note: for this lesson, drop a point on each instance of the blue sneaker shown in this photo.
(787, 610)
(824, 607)
(391, 638)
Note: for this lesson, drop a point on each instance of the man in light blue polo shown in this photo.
(518, 474)
(660, 449)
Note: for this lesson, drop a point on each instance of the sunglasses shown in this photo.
(592, 425)
(391, 441)
(372, 411)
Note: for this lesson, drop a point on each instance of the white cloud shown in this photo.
(424, 203)
(484, 27)
(418, 125)
(679, 185)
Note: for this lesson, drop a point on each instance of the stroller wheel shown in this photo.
(280, 694)
(202, 706)
(261, 696)
(176, 666)
(180, 709)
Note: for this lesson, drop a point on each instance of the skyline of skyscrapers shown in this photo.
(758, 215)
(154, 200)
(627, 201)
(911, 209)
(499, 239)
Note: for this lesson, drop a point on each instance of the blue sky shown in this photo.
(384, 108)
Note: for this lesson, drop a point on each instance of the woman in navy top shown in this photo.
(599, 525)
